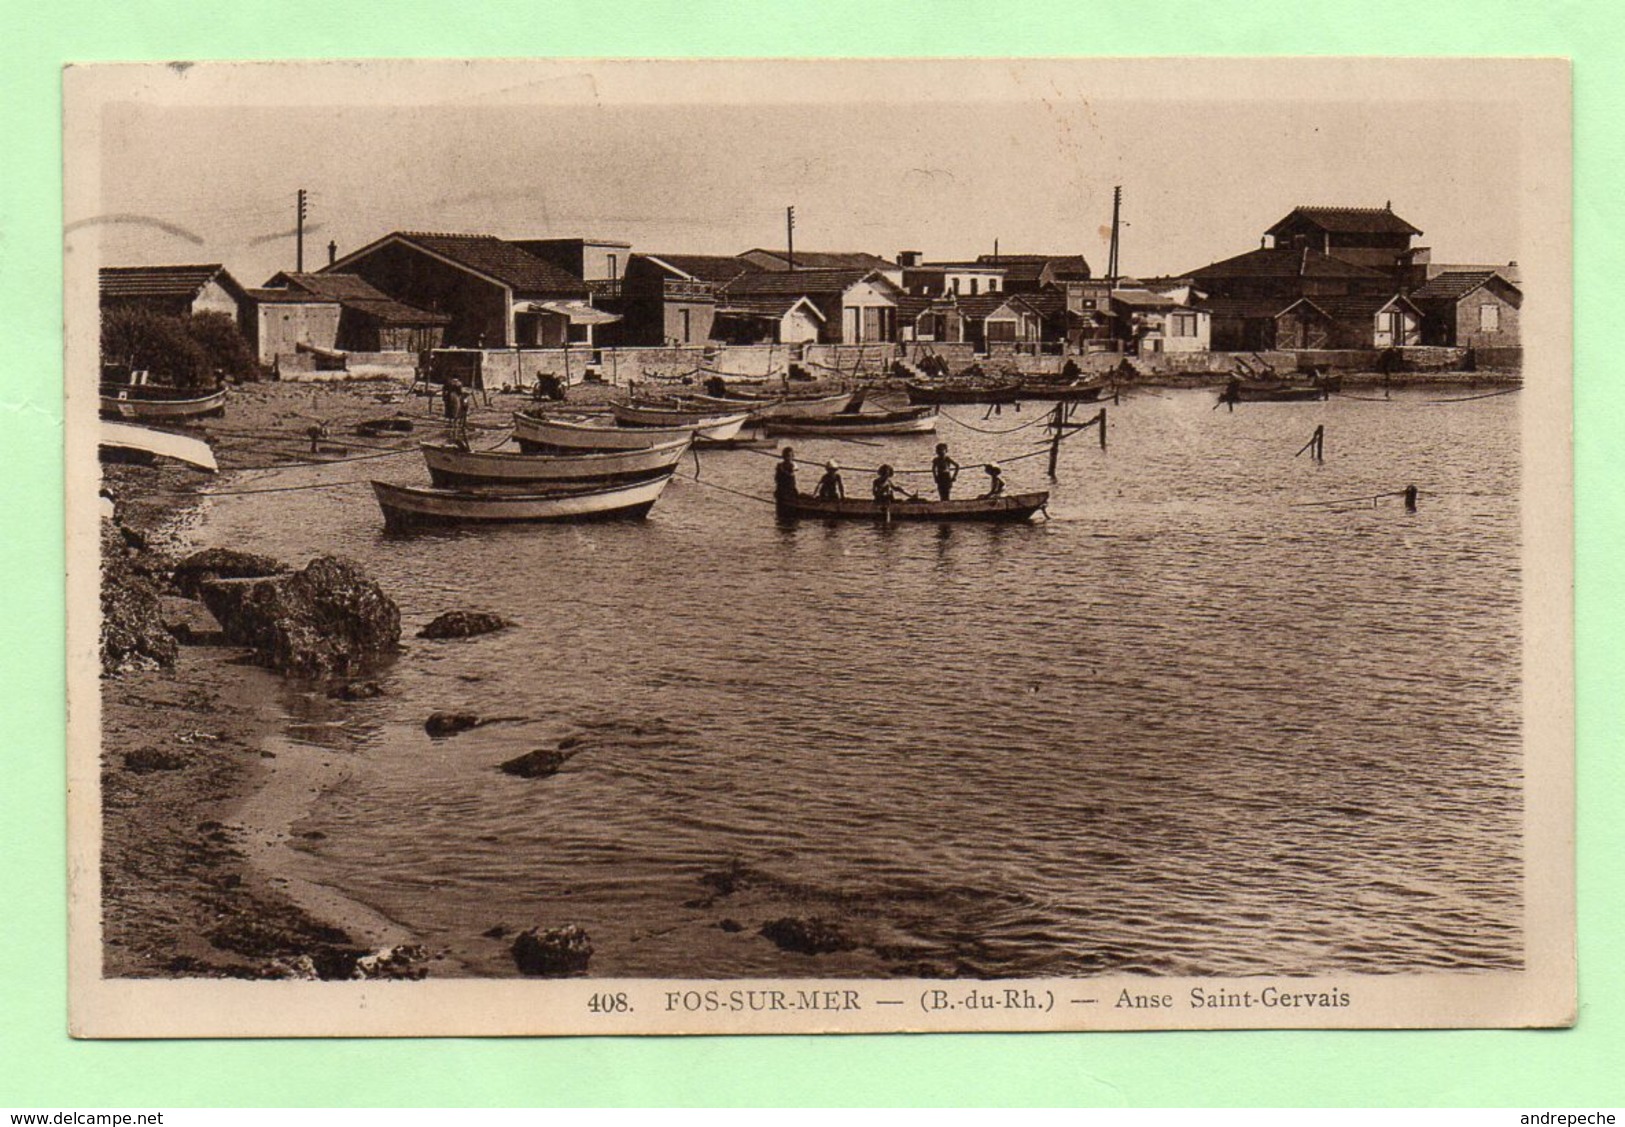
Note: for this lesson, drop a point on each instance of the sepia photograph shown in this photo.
(593, 546)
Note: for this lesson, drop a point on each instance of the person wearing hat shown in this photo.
(995, 480)
(944, 470)
(784, 477)
(830, 486)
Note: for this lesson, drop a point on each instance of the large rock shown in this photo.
(538, 764)
(222, 563)
(133, 632)
(552, 952)
(328, 618)
(463, 624)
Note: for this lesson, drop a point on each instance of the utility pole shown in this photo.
(299, 234)
(790, 234)
(1111, 261)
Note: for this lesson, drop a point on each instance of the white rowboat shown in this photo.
(584, 433)
(708, 426)
(450, 467)
(411, 506)
(145, 442)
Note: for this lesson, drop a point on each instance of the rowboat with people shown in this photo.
(451, 466)
(914, 420)
(1002, 507)
(411, 506)
(564, 434)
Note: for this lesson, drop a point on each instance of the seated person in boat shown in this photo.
(995, 480)
(886, 488)
(830, 486)
(716, 387)
(943, 471)
(1070, 370)
(784, 476)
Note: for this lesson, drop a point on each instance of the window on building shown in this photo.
(686, 337)
(1489, 318)
(956, 285)
(1184, 325)
(613, 273)
(973, 285)
(992, 285)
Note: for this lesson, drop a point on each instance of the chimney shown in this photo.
(908, 259)
(332, 252)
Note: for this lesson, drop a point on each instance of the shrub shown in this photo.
(140, 339)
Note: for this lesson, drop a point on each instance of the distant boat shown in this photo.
(155, 403)
(1004, 507)
(128, 442)
(1068, 391)
(934, 392)
(450, 467)
(915, 420)
(1260, 391)
(408, 506)
(765, 408)
(708, 425)
(585, 433)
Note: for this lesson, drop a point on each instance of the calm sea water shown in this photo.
(1188, 725)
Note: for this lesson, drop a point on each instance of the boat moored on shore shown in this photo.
(451, 467)
(409, 506)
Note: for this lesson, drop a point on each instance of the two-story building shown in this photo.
(494, 293)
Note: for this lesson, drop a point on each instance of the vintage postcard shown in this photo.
(583, 546)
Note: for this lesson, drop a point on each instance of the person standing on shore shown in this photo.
(944, 470)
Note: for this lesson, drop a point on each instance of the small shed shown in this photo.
(1469, 309)
(770, 321)
(1355, 321)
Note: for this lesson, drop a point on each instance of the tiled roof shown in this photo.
(1285, 262)
(706, 267)
(761, 282)
(181, 282)
(981, 305)
(1454, 285)
(353, 292)
(1246, 308)
(518, 269)
(817, 260)
(1353, 307)
(772, 307)
(1047, 302)
(1349, 220)
(1026, 268)
(1143, 299)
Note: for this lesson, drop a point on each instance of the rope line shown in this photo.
(1041, 418)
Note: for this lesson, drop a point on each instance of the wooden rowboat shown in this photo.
(767, 408)
(410, 506)
(1273, 392)
(915, 420)
(1066, 391)
(577, 434)
(128, 442)
(450, 467)
(159, 404)
(1005, 507)
(707, 425)
(979, 391)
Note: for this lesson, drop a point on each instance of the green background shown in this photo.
(40, 1066)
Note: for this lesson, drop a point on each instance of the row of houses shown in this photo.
(1321, 278)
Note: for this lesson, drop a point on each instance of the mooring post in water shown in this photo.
(1410, 498)
(1057, 426)
(1101, 419)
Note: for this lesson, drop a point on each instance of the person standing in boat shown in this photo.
(886, 488)
(830, 486)
(944, 471)
(784, 477)
(995, 480)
